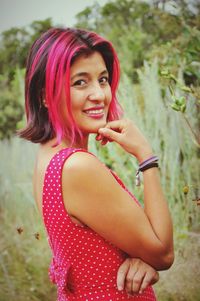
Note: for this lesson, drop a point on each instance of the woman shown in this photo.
(94, 224)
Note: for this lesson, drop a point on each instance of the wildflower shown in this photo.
(185, 189)
(20, 230)
(37, 235)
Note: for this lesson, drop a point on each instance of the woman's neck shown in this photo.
(65, 143)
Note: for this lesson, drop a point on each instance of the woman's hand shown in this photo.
(126, 134)
(134, 275)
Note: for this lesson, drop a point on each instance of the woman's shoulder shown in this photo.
(84, 177)
(83, 163)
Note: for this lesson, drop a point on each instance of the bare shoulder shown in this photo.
(86, 181)
(83, 178)
(81, 159)
(83, 164)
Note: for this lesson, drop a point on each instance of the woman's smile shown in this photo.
(95, 112)
(90, 92)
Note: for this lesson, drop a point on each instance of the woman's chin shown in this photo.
(93, 129)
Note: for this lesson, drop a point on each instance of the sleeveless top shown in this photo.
(84, 265)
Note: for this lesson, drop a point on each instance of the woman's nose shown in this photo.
(96, 93)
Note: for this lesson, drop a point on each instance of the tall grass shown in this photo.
(24, 259)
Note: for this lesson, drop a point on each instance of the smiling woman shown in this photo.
(105, 246)
(59, 52)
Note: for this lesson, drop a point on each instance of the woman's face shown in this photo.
(90, 92)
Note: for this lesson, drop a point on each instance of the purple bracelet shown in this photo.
(149, 163)
(150, 160)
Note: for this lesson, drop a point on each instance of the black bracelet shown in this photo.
(145, 167)
(154, 164)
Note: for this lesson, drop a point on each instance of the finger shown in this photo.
(129, 279)
(98, 137)
(104, 141)
(110, 134)
(149, 279)
(137, 281)
(116, 124)
(121, 274)
(155, 278)
(101, 139)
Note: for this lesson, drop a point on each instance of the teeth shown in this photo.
(94, 111)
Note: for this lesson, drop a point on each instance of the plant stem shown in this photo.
(197, 138)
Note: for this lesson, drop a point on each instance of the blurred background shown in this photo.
(158, 43)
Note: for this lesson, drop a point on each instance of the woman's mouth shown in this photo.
(95, 113)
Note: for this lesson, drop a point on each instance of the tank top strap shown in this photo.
(52, 202)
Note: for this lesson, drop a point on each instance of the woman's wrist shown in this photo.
(142, 156)
(146, 164)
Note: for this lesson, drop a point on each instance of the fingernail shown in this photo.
(102, 130)
(120, 288)
(98, 137)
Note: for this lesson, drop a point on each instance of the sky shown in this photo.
(18, 13)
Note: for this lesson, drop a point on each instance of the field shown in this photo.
(24, 252)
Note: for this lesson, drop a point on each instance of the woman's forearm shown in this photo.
(157, 211)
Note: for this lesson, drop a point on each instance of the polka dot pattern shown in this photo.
(84, 265)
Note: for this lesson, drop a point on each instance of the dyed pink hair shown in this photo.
(48, 67)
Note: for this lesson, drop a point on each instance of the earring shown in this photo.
(44, 103)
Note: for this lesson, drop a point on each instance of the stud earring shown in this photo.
(44, 103)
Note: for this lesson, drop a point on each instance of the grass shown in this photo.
(182, 281)
(24, 259)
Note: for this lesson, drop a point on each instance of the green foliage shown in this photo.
(11, 104)
(181, 52)
(13, 50)
(181, 96)
(15, 44)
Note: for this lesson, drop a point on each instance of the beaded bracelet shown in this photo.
(149, 163)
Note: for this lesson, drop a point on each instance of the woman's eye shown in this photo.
(103, 80)
(79, 82)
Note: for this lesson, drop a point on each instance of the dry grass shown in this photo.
(182, 281)
(24, 259)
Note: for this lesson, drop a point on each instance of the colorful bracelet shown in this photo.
(149, 163)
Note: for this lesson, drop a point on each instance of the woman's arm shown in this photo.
(125, 133)
(92, 195)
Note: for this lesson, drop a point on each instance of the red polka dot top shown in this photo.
(84, 265)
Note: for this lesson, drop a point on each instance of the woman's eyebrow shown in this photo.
(104, 72)
(79, 74)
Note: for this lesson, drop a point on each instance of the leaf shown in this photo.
(164, 72)
(175, 107)
(173, 78)
(182, 100)
(186, 89)
(183, 108)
